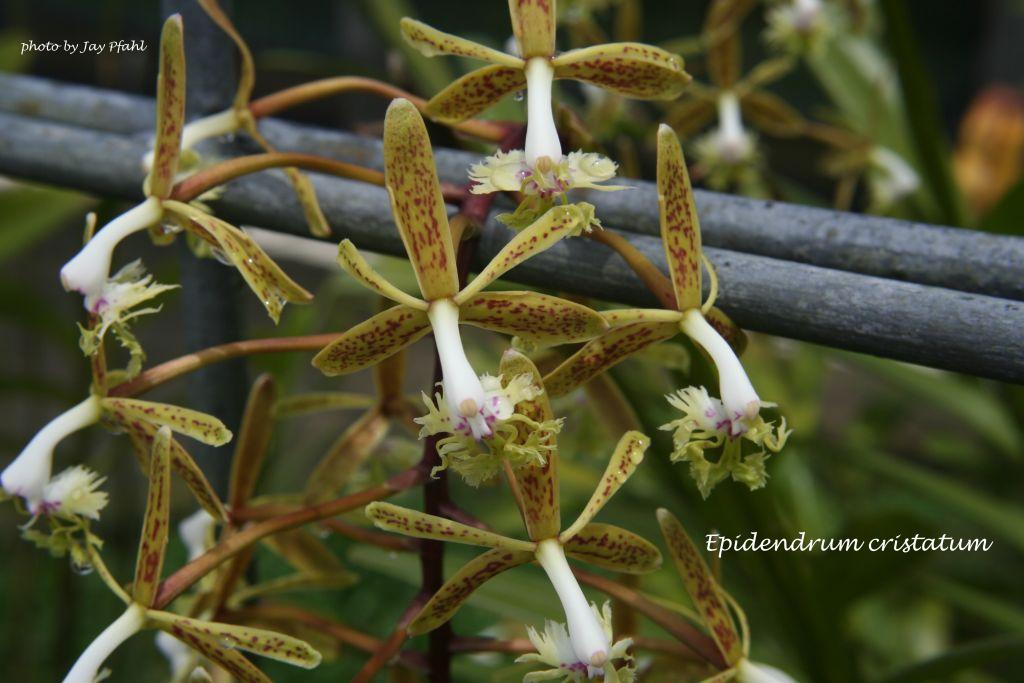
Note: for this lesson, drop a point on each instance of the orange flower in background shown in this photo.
(989, 154)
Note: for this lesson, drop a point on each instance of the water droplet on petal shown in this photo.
(519, 95)
(82, 568)
(221, 256)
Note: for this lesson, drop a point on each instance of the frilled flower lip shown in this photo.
(555, 648)
(74, 493)
(512, 172)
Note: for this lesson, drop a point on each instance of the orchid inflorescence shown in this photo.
(484, 426)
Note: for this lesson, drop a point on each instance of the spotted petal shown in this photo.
(270, 644)
(702, 587)
(533, 23)
(142, 435)
(604, 352)
(416, 201)
(539, 318)
(431, 42)
(170, 110)
(253, 439)
(317, 401)
(210, 647)
(199, 426)
(474, 92)
(373, 340)
(352, 448)
(772, 114)
(722, 31)
(155, 525)
(630, 69)
(729, 330)
(353, 263)
(680, 227)
(421, 525)
(265, 278)
(545, 232)
(304, 552)
(456, 590)
(691, 116)
(613, 548)
(628, 455)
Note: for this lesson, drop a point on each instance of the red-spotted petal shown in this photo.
(614, 548)
(536, 317)
(473, 93)
(680, 227)
(373, 340)
(170, 109)
(431, 42)
(156, 523)
(630, 69)
(533, 23)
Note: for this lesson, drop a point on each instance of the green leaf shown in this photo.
(963, 658)
(33, 213)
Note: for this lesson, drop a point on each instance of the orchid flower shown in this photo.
(411, 180)
(736, 415)
(88, 273)
(630, 69)
(799, 27)
(729, 155)
(555, 649)
(217, 642)
(238, 117)
(28, 476)
(536, 487)
(890, 178)
(711, 609)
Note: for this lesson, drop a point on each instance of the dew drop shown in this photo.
(82, 568)
(519, 95)
(169, 228)
(221, 256)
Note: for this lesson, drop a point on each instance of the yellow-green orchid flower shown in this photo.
(555, 649)
(737, 414)
(419, 211)
(799, 27)
(728, 155)
(711, 607)
(220, 643)
(28, 475)
(630, 69)
(536, 488)
(88, 272)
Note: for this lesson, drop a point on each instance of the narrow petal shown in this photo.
(614, 548)
(680, 226)
(253, 439)
(246, 68)
(702, 587)
(624, 316)
(411, 179)
(156, 524)
(770, 113)
(170, 109)
(691, 116)
(211, 647)
(546, 231)
(142, 434)
(373, 340)
(630, 69)
(431, 42)
(533, 23)
(604, 352)
(268, 282)
(473, 93)
(456, 590)
(351, 450)
(729, 330)
(317, 401)
(628, 455)
(353, 263)
(199, 426)
(721, 28)
(277, 646)
(293, 582)
(421, 525)
(538, 318)
(537, 485)
(304, 552)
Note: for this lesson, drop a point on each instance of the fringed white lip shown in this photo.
(89, 270)
(589, 641)
(732, 138)
(90, 661)
(541, 134)
(749, 672)
(28, 475)
(463, 391)
(738, 395)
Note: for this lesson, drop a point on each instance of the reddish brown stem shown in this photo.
(181, 580)
(370, 537)
(226, 171)
(655, 280)
(390, 647)
(183, 365)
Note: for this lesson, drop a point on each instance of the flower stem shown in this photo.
(655, 280)
(90, 661)
(541, 134)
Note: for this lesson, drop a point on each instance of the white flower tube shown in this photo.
(90, 661)
(193, 133)
(589, 640)
(463, 391)
(30, 472)
(734, 144)
(749, 672)
(541, 134)
(738, 395)
(88, 271)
